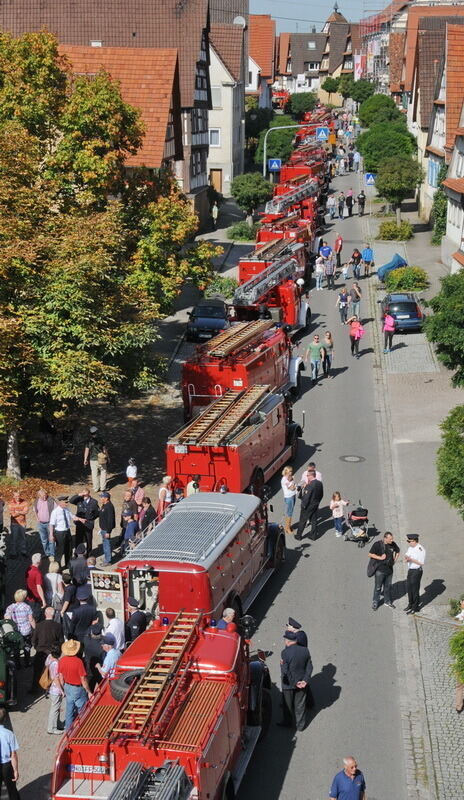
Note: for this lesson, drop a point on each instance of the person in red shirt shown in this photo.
(338, 249)
(18, 509)
(34, 586)
(72, 675)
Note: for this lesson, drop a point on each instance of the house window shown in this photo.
(199, 119)
(250, 78)
(311, 45)
(432, 173)
(311, 66)
(348, 64)
(214, 137)
(460, 165)
(216, 96)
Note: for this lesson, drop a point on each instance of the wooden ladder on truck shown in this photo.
(222, 345)
(147, 699)
(238, 411)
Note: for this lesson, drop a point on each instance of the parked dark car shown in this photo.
(406, 310)
(207, 319)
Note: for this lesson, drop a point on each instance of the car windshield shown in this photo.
(209, 311)
(403, 308)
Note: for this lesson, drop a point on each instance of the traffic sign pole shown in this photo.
(277, 128)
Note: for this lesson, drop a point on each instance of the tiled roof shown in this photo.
(395, 49)
(148, 80)
(335, 17)
(431, 41)
(415, 13)
(338, 35)
(355, 34)
(455, 184)
(261, 43)
(372, 23)
(283, 53)
(301, 53)
(227, 41)
(454, 72)
(118, 23)
(459, 257)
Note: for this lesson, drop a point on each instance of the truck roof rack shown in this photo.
(146, 702)
(282, 201)
(220, 418)
(137, 782)
(256, 287)
(236, 337)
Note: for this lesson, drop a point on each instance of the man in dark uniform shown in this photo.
(86, 512)
(295, 627)
(84, 616)
(310, 500)
(93, 654)
(78, 566)
(296, 668)
(137, 622)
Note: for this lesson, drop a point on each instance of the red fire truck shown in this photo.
(280, 98)
(276, 289)
(211, 551)
(286, 227)
(178, 721)
(238, 442)
(246, 354)
(268, 252)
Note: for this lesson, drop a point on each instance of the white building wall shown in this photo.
(226, 124)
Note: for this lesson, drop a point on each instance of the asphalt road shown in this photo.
(323, 584)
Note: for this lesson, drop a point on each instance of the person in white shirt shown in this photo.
(131, 473)
(116, 627)
(289, 489)
(60, 530)
(415, 559)
(460, 615)
(310, 468)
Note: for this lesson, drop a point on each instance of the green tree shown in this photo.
(456, 648)
(381, 142)
(397, 179)
(439, 208)
(330, 86)
(301, 102)
(445, 326)
(345, 86)
(450, 459)
(279, 143)
(362, 90)
(257, 120)
(372, 106)
(250, 190)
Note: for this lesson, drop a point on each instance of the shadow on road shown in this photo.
(324, 689)
(38, 789)
(433, 590)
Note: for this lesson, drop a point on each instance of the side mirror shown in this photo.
(248, 625)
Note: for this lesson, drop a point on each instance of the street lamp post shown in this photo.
(277, 128)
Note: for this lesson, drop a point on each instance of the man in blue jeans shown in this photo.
(386, 553)
(72, 675)
(314, 354)
(107, 520)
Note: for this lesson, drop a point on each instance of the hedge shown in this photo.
(407, 279)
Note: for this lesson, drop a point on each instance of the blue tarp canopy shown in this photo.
(396, 262)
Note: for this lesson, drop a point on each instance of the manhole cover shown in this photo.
(352, 459)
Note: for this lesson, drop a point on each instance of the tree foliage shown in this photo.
(398, 178)
(346, 86)
(382, 142)
(330, 86)
(456, 647)
(257, 120)
(439, 208)
(445, 326)
(300, 102)
(250, 190)
(362, 90)
(371, 107)
(450, 459)
(279, 143)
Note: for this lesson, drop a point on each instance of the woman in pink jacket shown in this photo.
(388, 331)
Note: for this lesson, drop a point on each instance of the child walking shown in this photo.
(337, 506)
(131, 473)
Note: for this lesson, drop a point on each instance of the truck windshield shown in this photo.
(143, 585)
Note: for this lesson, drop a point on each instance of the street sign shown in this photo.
(369, 177)
(322, 134)
(274, 164)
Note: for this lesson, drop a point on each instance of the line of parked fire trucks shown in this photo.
(180, 718)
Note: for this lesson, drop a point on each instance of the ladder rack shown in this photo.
(257, 286)
(221, 418)
(268, 250)
(283, 201)
(236, 337)
(139, 712)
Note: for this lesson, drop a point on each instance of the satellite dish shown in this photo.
(240, 21)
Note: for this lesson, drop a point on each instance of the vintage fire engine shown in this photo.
(277, 290)
(246, 354)
(238, 442)
(178, 721)
(268, 252)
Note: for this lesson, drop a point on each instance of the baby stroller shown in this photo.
(358, 528)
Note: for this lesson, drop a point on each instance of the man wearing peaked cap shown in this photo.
(137, 622)
(295, 627)
(296, 668)
(415, 559)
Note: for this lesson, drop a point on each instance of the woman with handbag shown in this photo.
(54, 689)
(388, 331)
(356, 334)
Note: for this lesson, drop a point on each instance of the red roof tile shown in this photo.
(410, 49)
(456, 184)
(454, 72)
(283, 54)
(396, 47)
(261, 43)
(227, 41)
(147, 77)
(459, 257)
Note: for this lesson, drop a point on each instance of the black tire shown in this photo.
(279, 553)
(257, 482)
(298, 389)
(228, 792)
(120, 686)
(266, 712)
(294, 445)
(308, 320)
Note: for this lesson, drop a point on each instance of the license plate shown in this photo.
(402, 316)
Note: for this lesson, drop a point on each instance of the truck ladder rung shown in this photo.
(239, 338)
(242, 408)
(138, 707)
(196, 429)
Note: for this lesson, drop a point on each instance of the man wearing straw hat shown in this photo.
(73, 678)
